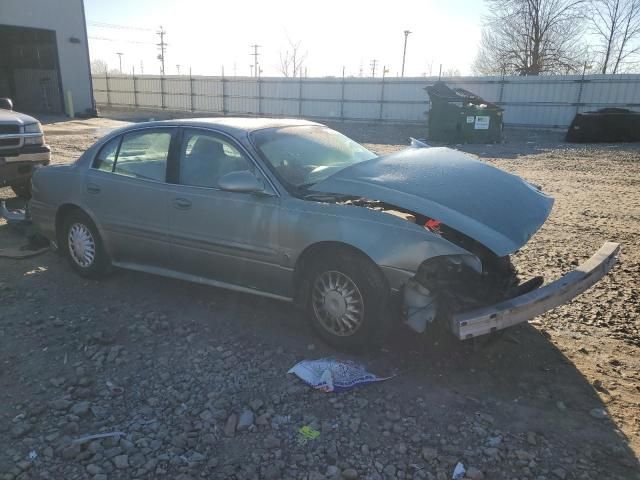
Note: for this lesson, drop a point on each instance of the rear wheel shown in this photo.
(83, 246)
(348, 301)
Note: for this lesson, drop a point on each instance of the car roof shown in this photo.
(236, 125)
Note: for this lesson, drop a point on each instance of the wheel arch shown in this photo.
(63, 212)
(315, 250)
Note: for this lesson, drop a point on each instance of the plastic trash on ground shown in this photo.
(458, 472)
(330, 375)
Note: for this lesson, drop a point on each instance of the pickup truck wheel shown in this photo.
(83, 246)
(348, 301)
(22, 191)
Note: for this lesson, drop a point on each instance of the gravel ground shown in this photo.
(195, 377)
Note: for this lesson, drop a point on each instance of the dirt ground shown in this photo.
(196, 379)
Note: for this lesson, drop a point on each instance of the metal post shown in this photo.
(501, 88)
(193, 109)
(162, 104)
(259, 80)
(106, 76)
(580, 89)
(224, 93)
(300, 96)
(135, 87)
(384, 72)
(342, 97)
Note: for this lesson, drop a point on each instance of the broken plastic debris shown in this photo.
(95, 436)
(308, 432)
(459, 471)
(32, 455)
(114, 389)
(330, 375)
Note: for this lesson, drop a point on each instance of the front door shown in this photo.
(126, 193)
(224, 236)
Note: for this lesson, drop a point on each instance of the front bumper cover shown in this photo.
(16, 166)
(520, 309)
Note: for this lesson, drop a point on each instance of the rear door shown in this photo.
(126, 191)
(224, 236)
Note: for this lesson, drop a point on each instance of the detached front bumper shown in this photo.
(520, 309)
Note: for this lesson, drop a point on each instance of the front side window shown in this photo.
(206, 157)
(141, 154)
(304, 155)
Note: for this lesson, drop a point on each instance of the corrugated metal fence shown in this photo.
(546, 101)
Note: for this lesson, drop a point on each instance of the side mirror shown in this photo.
(6, 103)
(242, 181)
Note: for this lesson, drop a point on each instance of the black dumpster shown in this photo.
(459, 116)
(605, 125)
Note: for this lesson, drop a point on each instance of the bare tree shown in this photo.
(451, 72)
(531, 37)
(99, 66)
(616, 26)
(292, 60)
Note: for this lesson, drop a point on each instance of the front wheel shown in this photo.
(83, 246)
(348, 301)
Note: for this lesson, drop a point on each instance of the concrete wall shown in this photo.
(546, 101)
(66, 17)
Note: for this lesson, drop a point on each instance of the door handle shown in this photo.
(93, 188)
(181, 203)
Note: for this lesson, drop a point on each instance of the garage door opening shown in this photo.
(29, 69)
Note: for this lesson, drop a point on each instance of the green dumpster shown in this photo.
(459, 116)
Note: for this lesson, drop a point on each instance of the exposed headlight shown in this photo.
(33, 128)
(39, 140)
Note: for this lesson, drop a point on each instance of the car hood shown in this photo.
(9, 116)
(497, 209)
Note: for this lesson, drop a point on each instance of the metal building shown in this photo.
(44, 56)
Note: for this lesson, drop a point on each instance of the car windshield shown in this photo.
(304, 155)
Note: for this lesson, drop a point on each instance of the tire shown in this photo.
(86, 254)
(22, 191)
(356, 313)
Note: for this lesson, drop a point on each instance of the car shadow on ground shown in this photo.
(520, 380)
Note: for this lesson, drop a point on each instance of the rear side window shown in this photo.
(106, 158)
(140, 154)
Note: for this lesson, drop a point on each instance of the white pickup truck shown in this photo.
(22, 148)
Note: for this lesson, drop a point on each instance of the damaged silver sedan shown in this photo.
(293, 210)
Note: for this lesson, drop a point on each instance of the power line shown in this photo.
(119, 27)
(162, 46)
(255, 55)
(120, 40)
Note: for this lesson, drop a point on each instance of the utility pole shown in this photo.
(120, 58)
(251, 69)
(404, 51)
(162, 47)
(255, 55)
(374, 63)
(141, 68)
(178, 68)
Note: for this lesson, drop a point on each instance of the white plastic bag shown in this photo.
(330, 375)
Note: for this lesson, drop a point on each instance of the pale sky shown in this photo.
(207, 34)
